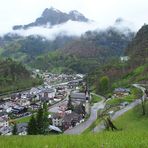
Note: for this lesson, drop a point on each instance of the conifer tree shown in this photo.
(45, 119)
(32, 126)
(69, 104)
(14, 131)
(39, 121)
(39, 125)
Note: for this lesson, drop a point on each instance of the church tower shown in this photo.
(87, 102)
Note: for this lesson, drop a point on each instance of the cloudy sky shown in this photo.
(104, 12)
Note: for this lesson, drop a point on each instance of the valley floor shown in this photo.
(132, 134)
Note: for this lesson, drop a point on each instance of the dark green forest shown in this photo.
(14, 77)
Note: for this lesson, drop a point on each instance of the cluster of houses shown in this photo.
(51, 79)
(20, 105)
(59, 78)
(23, 104)
(62, 78)
(66, 118)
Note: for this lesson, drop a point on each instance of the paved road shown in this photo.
(140, 87)
(101, 126)
(93, 116)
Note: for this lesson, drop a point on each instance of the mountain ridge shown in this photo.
(52, 16)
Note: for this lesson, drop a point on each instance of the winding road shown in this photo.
(93, 116)
(101, 126)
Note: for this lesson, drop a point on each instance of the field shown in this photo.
(132, 134)
(106, 140)
(95, 98)
(23, 119)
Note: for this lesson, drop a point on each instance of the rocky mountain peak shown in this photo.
(53, 17)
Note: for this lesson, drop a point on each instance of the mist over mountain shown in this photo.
(70, 28)
(56, 36)
(52, 16)
(53, 23)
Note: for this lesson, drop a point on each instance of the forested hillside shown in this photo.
(75, 54)
(138, 48)
(14, 76)
(124, 73)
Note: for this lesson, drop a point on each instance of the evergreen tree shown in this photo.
(14, 131)
(69, 104)
(39, 125)
(32, 126)
(39, 121)
(45, 119)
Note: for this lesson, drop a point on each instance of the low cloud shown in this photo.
(70, 28)
(124, 25)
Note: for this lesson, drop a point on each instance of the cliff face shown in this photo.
(138, 48)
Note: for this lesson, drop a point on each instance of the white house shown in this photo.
(48, 93)
(57, 120)
(3, 122)
(124, 59)
(9, 109)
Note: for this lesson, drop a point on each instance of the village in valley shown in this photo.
(68, 99)
(56, 91)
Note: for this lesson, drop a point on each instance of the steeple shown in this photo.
(87, 93)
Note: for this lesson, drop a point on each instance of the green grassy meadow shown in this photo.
(23, 119)
(95, 99)
(123, 139)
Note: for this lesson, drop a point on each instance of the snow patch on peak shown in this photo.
(54, 9)
(75, 12)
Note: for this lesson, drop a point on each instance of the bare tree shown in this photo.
(103, 115)
(143, 102)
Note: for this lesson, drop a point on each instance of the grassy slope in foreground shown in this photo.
(133, 135)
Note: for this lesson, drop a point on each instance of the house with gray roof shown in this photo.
(6, 130)
(22, 128)
(79, 97)
(47, 94)
(55, 129)
(70, 120)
